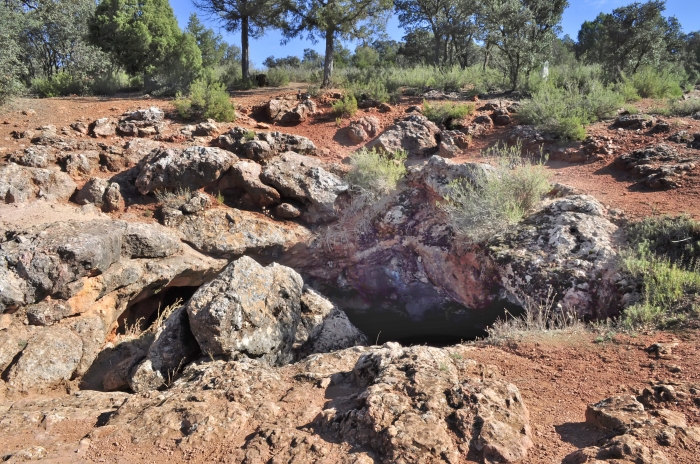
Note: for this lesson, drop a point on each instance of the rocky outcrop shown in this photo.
(73, 280)
(34, 157)
(638, 428)
(230, 233)
(659, 166)
(289, 110)
(261, 146)
(191, 168)
(142, 123)
(19, 184)
(363, 129)
(362, 405)
(568, 248)
(303, 179)
(246, 175)
(103, 127)
(101, 193)
(414, 134)
(635, 121)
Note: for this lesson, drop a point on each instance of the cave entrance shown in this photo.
(388, 320)
(140, 315)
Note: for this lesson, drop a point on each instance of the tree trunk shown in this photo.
(436, 52)
(245, 49)
(328, 61)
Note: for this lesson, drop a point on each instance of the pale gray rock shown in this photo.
(246, 175)
(302, 178)
(19, 184)
(92, 192)
(103, 127)
(287, 211)
(191, 168)
(415, 134)
(50, 357)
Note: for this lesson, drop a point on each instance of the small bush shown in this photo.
(278, 77)
(441, 113)
(685, 107)
(492, 200)
(346, 106)
(313, 91)
(250, 135)
(674, 237)
(206, 100)
(653, 83)
(376, 172)
(627, 90)
(60, 84)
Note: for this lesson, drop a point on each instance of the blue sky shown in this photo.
(687, 12)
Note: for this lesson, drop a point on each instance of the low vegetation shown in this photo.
(377, 171)
(206, 100)
(346, 106)
(663, 257)
(444, 113)
(494, 199)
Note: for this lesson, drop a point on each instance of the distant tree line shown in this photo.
(57, 47)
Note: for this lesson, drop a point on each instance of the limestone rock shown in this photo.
(302, 178)
(49, 358)
(415, 134)
(231, 233)
(191, 168)
(19, 184)
(92, 192)
(103, 127)
(635, 121)
(34, 157)
(287, 211)
(246, 175)
(617, 413)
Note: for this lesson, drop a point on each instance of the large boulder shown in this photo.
(257, 311)
(303, 179)
(487, 413)
(262, 146)
(566, 249)
(231, 233)
(19, 184)
(103, 127)
(414, 134)
(246, 175)
(191, 168)
(49, 358)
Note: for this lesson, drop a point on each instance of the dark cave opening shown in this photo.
(142, 314)
(385, 319)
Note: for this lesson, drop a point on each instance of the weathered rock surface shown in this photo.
(103, 127)
(364, 128)
(659, 166)
(34, 157)
(289, 110)
(19, 184)
(568, 247)
(91, 271)
(191, 168)
(635, 121)
(257, 311)
(246, 175)
(415, 134)
(303, 179)
(231, 233)
(142, 123)
(261, 146)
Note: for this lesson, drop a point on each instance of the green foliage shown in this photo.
(278, 77)
(211, 45)
(491, 200)
(250, 135)
(663, 255)
(686, 107)
(61, 84)
(374, 89)
(206, 100)
(346, 106)
(375, 171)
(653, 83)
(11, 66)
(444, 112)
(565, 112)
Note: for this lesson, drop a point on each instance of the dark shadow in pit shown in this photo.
(384, 319)
(579, 434)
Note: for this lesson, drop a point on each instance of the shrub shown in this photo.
(60, 84)
(278, 77)
(493, 199)
(565, 112)
(653, 83)
(375, 171)
(662, 256)
(441, 113)
(346, 106)
(685, 107)
(206, 100)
